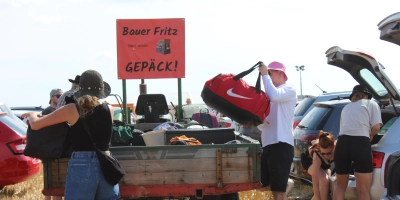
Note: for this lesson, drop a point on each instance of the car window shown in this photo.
(316, 118)
(332, 125)
(302, 108)
(374, 82)
(386, 126)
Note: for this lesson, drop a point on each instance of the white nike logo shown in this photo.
(230, 93)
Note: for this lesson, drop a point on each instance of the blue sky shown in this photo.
(43, 43)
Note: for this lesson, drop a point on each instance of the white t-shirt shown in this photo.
(281, 116)
(359, 117)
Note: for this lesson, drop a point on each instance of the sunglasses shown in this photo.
(326, 154)
(58, 95)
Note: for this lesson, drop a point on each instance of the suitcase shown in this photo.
(231, 95)
(208, 119)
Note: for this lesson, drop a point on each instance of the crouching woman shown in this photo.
(322, 155)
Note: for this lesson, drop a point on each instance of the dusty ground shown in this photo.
(31, 189)
(300, 191)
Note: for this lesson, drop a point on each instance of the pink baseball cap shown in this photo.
(278, 66)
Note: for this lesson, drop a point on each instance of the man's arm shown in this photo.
(374, 130)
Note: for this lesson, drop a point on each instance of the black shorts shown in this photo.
(356, 149)
(276, 160)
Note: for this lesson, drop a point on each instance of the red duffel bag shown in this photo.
(230, 95)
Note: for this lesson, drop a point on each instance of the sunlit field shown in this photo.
(32, 190)
(29, 189)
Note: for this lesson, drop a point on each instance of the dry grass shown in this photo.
(32, 190)
(255, 195)
(299, 191)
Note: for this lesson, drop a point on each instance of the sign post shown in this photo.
(151, 49)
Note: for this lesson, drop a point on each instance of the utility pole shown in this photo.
(300, 68)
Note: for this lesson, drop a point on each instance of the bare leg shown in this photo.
(364, 181)
(341, 185)
(323, 184)
(47, 197)
(315, 171)
(279, 195)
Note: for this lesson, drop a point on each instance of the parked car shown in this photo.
(366, 70)
(18, 111)
(308, 103)
(389, 28)
(392, 177)
(15, 167)
(325, 116)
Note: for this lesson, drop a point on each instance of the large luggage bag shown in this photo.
(231, 95)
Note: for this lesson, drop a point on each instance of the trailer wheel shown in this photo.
(232, 196)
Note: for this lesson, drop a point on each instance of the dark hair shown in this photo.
(325, 139)
(358, 95)
(86, 104)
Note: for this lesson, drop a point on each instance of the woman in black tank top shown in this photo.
(322, 155)
(85, 179)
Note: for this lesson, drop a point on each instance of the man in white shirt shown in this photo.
(277, 132)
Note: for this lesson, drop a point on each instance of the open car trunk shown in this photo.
(366, 70)
(390, 28)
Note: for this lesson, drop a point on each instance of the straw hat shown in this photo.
(91, 83)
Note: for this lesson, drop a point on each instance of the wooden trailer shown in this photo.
(199, 172)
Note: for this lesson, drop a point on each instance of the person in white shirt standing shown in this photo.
(359, 122)
(277, 132)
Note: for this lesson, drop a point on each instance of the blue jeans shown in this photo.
(85, 179)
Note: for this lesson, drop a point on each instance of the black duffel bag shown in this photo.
(51, 142)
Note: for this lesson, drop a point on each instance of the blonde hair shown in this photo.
(86, 104)
(357, 96)
(188, 101)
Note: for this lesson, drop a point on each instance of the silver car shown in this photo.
(389, 28)
(366, 70)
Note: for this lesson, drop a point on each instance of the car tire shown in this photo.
(394, 181)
